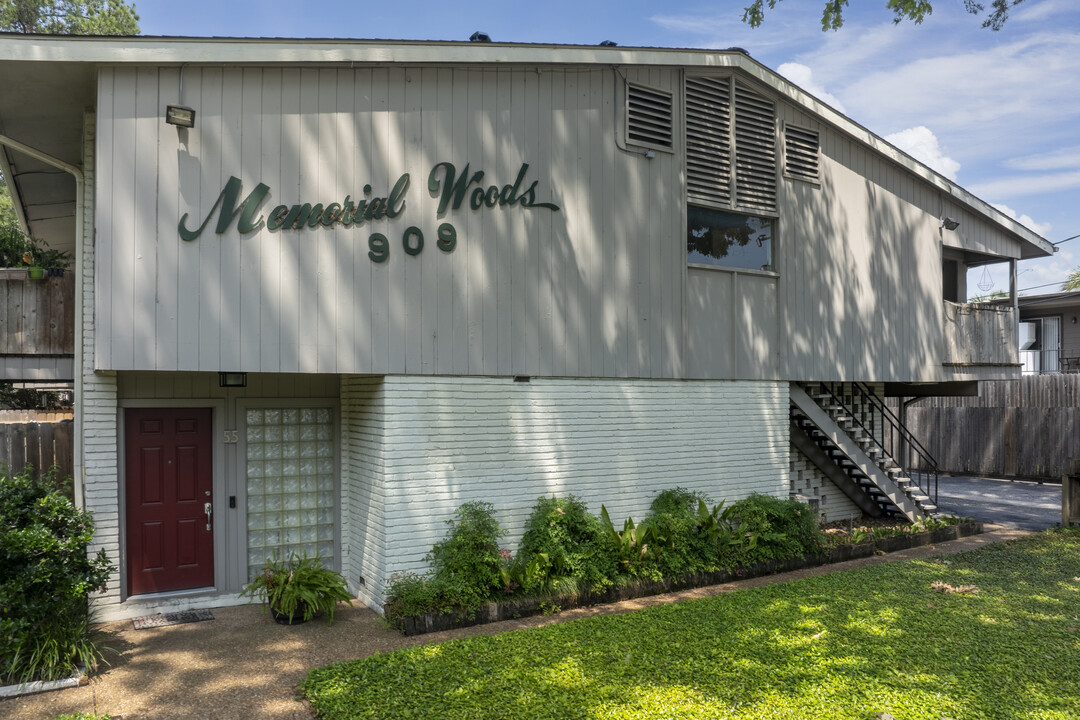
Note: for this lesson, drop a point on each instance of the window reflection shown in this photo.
(715, 237)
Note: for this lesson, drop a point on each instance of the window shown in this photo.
(716, 237)
(290, 484)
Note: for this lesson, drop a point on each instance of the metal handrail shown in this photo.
(927, 460)
(895, 426)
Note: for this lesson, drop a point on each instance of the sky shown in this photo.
(996, 112)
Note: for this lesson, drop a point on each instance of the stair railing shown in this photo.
(927, 480)
(903, 444)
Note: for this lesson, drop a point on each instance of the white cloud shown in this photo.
(1025, 220)
(803, 76)
(1034, 185)
(1059, 159)
(1035, 11)
(921, 144)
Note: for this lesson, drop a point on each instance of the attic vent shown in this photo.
(708, 140)
(801, 149)
(755, 150)
(648, 117)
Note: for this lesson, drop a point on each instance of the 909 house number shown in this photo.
(412, 241)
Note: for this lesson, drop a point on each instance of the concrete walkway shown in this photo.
(241, 665)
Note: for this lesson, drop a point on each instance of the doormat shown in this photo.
(174, 618)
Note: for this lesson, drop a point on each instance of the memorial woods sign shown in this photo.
(444, 182)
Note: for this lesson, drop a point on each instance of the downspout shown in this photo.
(79, 215)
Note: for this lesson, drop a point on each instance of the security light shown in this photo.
(949, 224)
(480, 37)
(180, 116)
(232, 379)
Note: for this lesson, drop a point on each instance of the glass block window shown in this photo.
(290, 484)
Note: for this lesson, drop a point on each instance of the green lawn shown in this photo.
(843, 645)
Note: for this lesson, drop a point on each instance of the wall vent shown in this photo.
(708, 139)
(801, 152)
(755, 150)
(649, 117)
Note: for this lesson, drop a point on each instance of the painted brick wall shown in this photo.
(445, 441)
(807, 480)
(97, 398)
(362, 493)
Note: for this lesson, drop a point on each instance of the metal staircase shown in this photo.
(855, 444)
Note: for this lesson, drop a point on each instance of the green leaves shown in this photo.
(843, 646)
(300, 587)
(46, 577)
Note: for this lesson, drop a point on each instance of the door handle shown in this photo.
(208, 508)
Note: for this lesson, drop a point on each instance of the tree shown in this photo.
(69, 17)
(832, 17)
(1072, 282)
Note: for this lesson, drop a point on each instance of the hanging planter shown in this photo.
(35, 272)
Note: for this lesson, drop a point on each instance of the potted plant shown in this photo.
(298, 589)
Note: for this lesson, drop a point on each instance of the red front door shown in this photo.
(170, 541)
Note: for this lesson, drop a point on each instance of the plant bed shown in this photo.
(838, 645)
(528, 607)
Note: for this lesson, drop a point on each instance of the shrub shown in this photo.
(630, 548)
(299, 588)
(466, 565)
(769, 528)
(563, 549)
(688, 537)
(46, 578)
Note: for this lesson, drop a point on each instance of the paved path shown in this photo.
(1011, 503)
(242, 666)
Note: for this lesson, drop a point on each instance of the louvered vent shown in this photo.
(801, 153)
(708, 140)
(648, 117)
(755, 151)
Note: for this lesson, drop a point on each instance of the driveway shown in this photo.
(1012, 503)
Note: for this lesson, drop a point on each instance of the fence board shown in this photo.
(1026, 428)
(39, 444)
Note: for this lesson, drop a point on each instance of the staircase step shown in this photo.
(928, 507)
(919, 497)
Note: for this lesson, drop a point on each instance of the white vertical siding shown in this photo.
(586, 290)
(420, 447)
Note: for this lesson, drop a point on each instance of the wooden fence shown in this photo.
(39, 444)
(1026, 428)
(37, 317)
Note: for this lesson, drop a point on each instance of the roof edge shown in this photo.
(216, 50)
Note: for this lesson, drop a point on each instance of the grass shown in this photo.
(843, 645)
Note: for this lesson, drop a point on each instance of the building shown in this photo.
(1049, 334)
(374, 280)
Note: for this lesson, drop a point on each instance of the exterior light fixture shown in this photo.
(609, 43)
(480, 37)
(232, 379)
(180, 116)
(949, 224)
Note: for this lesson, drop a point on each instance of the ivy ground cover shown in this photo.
(993, 633)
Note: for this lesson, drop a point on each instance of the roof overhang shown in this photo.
(954, 388)
(59, 72)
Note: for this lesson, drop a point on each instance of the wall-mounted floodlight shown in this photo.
(479, 37)
(180, 116)
(949, 223)
(609, 43)
(232, 379)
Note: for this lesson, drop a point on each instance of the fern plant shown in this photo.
(298, 589)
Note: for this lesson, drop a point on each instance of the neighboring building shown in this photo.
(1049, 333)
(377, 279)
